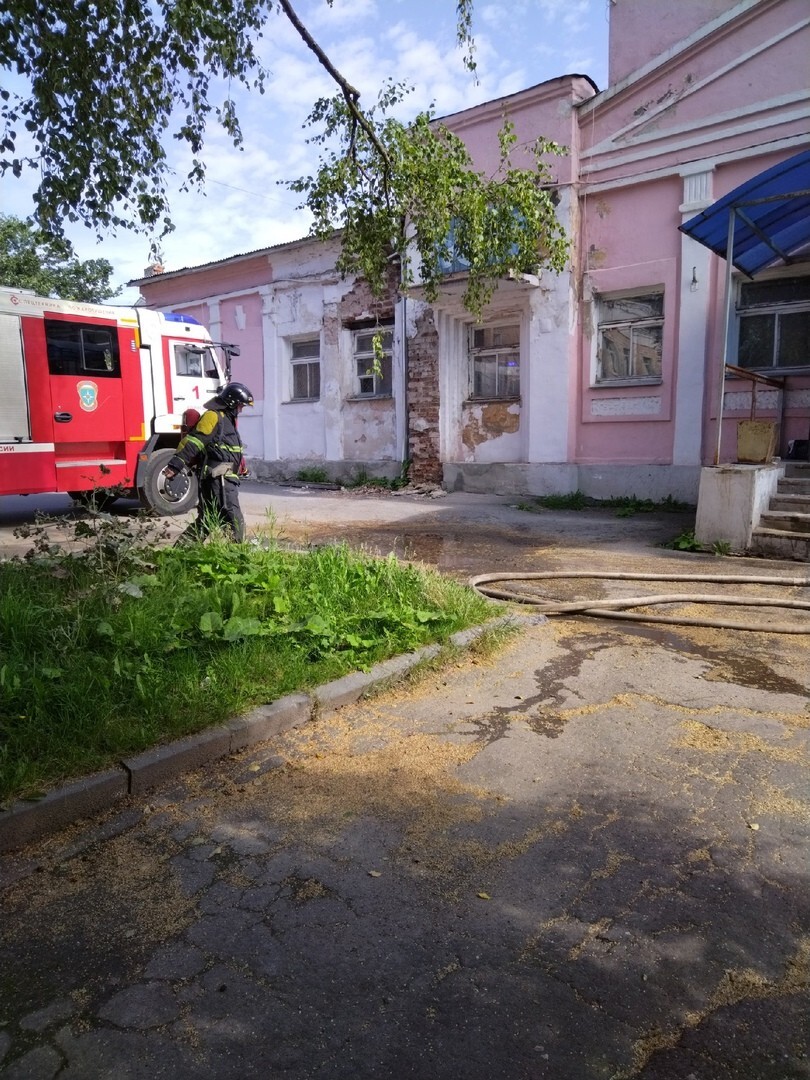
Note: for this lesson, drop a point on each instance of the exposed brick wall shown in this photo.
(423, 402)
(359, 303)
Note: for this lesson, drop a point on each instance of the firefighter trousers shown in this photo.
(218, 507)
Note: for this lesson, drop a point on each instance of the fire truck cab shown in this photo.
(93, 397)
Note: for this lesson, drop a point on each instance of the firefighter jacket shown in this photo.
(213, 445)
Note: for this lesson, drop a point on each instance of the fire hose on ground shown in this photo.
(617, 608)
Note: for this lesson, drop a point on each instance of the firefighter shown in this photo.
(214, 450)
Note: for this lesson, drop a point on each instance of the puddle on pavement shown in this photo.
(489, 729)
(549, 724)
(460, 552)
(533, 711)
(737, 668)
(749, 671)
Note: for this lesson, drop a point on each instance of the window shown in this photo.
(774, 323)
(74, 349)
(306, 370)
(495, 361)
(373, 372)
(631, 333)
(195, 361)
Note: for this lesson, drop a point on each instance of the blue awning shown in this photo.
(771, 218)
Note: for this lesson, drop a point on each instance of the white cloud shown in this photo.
(339, 13)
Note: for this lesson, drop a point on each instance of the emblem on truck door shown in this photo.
(88, 395)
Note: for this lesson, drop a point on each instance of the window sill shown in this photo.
(301, 401)
(370, 397)
(493, 400)
(624, 384)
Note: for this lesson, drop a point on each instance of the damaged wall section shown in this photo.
(423, 401)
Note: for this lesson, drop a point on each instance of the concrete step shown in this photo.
(781, 544)
(789, 521)
(793, 485)
(794, 503)
(797, 469)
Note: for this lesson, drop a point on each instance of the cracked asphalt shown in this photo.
(581, 857)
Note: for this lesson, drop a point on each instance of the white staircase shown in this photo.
(784, 529)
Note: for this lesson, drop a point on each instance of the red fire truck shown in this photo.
(94, 396)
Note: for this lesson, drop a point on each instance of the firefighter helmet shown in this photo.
(234, 395)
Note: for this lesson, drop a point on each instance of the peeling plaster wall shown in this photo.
(491, 430)
(539, 427)
(294, 311)
(369, 426)
(239, 318)
(286, 294)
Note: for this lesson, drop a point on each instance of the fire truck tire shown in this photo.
(153, 493)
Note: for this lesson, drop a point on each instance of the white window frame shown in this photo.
(605, 323)
(497, 351)
(305, 361)
(778, 311)
(369, 382)
(185, 353)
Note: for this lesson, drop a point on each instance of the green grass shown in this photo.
(624, 505)
(109, 652)
(313, 475)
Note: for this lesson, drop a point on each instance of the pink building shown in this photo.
(605, 378)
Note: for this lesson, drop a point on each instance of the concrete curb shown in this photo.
(25, 822)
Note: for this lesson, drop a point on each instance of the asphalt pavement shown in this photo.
(581, 857)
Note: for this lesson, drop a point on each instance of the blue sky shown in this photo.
(518, 43)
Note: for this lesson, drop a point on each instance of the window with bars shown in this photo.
(774, 323)
(495, 361)
(305, 357)
(631, 335)
(373, 367)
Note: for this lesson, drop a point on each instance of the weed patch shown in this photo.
(624, 505)
(685, 541)
(119, 645)
(313, 475)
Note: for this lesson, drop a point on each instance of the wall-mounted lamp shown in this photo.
(693, 284)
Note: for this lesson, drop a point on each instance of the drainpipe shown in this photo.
(406, 373)
(729, 267)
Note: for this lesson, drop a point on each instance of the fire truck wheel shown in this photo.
(180, 498)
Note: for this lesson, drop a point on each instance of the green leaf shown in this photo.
(210, 622)
(130, 588)
(427, 616)
(236, 628)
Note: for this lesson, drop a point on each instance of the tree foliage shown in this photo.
(98, 87)
(31, 259)
(410, 191)
(94, 87)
